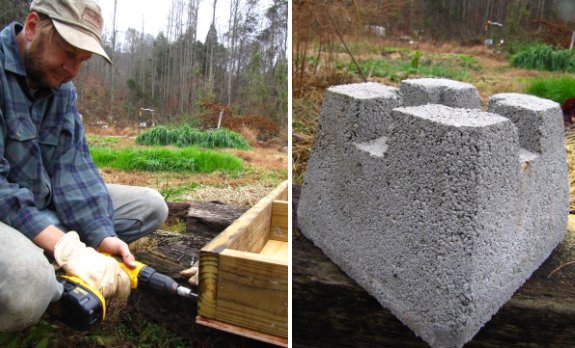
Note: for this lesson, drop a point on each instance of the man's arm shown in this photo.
(80, 194)
(48, 238)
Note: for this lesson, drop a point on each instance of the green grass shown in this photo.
(175, 193)
(189, 159)
(97, 140)
(557, 89)
(544, 57)
(188, 136)
(457, 67)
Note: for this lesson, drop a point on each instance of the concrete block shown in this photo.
(440, 91)
(440, 213)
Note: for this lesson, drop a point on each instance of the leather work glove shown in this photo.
(192, 274)
(99, 271)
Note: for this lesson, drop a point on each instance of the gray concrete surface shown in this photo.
(440, 91)
(440, 213)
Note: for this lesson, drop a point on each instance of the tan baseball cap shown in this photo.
(79, 22)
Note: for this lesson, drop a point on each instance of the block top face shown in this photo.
(369, 90)
(523, 101)
(431, 82)
(453, 116)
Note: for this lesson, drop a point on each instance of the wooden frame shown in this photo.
(244, 273)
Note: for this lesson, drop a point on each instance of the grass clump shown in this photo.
(188, 136)
(545, 57)
(189, 159)
(416, 63)
(557, 89)
(175, 193)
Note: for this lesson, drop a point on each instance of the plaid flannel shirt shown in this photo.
(44, 158)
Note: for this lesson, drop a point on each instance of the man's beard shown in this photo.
(36, 70)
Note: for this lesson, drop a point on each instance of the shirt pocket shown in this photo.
(25, 155)
(21, 149)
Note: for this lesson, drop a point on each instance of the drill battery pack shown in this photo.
(81, 307)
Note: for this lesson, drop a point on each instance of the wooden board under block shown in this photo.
(278, 341)
(244, 270)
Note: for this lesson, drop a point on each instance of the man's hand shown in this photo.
(100, 271)
(115, 246)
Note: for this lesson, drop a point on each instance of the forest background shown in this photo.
(474, 41)
(239, 75)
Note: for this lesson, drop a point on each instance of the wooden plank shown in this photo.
(208, 284)
(249, 233)
(275, 249)
(279, 224)
(252, 292)
(278, 341)
(330, 309)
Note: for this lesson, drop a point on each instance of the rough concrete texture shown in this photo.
(440, 213)
(440, 91)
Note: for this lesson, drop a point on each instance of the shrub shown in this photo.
(557, 89)
(188, 136)
(545, 57)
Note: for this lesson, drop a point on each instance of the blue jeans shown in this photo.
(27, 280)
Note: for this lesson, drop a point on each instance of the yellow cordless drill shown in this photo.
(82, 307)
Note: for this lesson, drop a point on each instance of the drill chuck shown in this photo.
(151, 279)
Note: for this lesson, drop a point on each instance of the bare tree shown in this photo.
(112, 69)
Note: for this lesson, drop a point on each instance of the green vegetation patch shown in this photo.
(98, 140)
(175, 193)
(404, 65)
(545, 57)
(557, 89)
(189, 159)
(188, 136)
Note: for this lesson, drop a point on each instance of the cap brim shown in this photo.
(80, 39)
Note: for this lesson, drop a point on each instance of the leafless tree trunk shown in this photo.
(112, 69)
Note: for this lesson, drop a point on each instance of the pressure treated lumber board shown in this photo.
(330, 309)
(240, 286)
(277, 341)
(275, 249)
(279, 224)
(258, 301)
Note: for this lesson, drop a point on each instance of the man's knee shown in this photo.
(137, 210)
(157, 208)
(27, 283)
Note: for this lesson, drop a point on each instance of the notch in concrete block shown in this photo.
(440, 91)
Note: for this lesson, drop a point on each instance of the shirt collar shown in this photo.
(12, 60)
